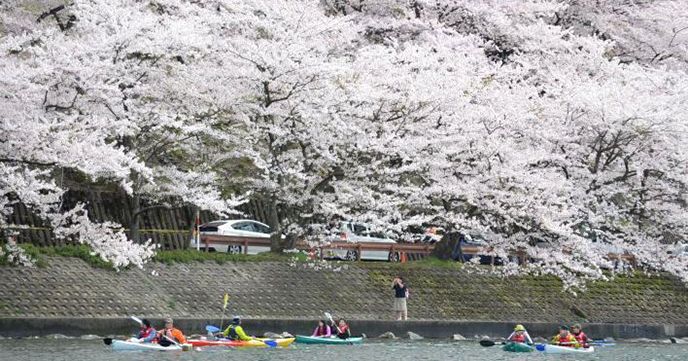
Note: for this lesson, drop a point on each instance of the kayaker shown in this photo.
(580, 336)
(323, 330)
(565, 338)
(235, 332)
(147, 333)
(342, 329)
(170, 333)
(520, 335)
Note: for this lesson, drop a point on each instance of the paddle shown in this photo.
(329, 316)
(224, 309)
(487, 343)
(212, 329)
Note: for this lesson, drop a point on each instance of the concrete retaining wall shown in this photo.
(70, 297)
(24, 327)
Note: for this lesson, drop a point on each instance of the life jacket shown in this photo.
(322, 331)
(344, 331)
(145, 333)
(518, 338)
(232, 334)
(581, 337)
(568, 341)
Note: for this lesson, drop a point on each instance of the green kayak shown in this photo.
(517, 347)
(328, 340)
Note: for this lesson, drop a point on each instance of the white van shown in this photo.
(361, 232)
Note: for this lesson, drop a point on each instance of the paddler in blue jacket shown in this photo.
(147, 333)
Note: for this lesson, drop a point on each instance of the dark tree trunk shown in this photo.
(449, 247)
(275, 226)
(134, 222)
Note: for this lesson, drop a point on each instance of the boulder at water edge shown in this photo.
(388, 334)
(458, 337)
(414, 336)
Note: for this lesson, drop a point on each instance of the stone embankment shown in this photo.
(71, 297)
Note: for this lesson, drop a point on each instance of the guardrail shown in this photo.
(401, 248)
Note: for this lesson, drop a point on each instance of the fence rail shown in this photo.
(401, 248)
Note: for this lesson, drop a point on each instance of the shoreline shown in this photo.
(21, 327)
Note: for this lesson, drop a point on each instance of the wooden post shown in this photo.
(245, 246)
(358, 254)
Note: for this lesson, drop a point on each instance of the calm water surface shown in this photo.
(94, 350)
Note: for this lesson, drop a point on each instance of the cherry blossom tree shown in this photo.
(550, 128)
(122, 95)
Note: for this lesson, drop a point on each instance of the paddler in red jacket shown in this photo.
(580, 336)
(564, 338)
(520, 335)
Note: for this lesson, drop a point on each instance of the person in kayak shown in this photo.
(169, 333)
(342, 329)
(147, 333)
(235, 332)
(580, 336)
(323, 330)
(520, 335)
(564, 338)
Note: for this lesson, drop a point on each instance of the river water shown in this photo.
(373, 350)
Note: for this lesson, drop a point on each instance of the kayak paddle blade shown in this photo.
(136, 319)
(540, 347)
(211, 328)
(270, 343)
(107, 341)
(487, 343)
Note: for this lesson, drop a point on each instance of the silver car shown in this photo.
(361, 232)
(235, 227)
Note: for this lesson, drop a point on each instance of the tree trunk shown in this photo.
(449, 247)
(134, 222)
(274, 223)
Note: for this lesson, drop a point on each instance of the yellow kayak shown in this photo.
(261, 342)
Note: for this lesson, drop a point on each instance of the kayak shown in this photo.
(120, 345)
(281, 342)
(518, 347)
(328, 340)
(563, 349)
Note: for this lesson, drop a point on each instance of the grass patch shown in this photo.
(425, 263)
(189, 256)
(80, 251)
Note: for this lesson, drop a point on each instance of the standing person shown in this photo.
(170, 333)
(323, 330)
(147, 333)
(520, 335)
(580, 336)
(400, 295)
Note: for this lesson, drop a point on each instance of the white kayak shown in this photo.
(562, 349)
(121, 345)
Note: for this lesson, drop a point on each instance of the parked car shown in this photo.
(235, 227)
(361, 232)
(466, 241)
